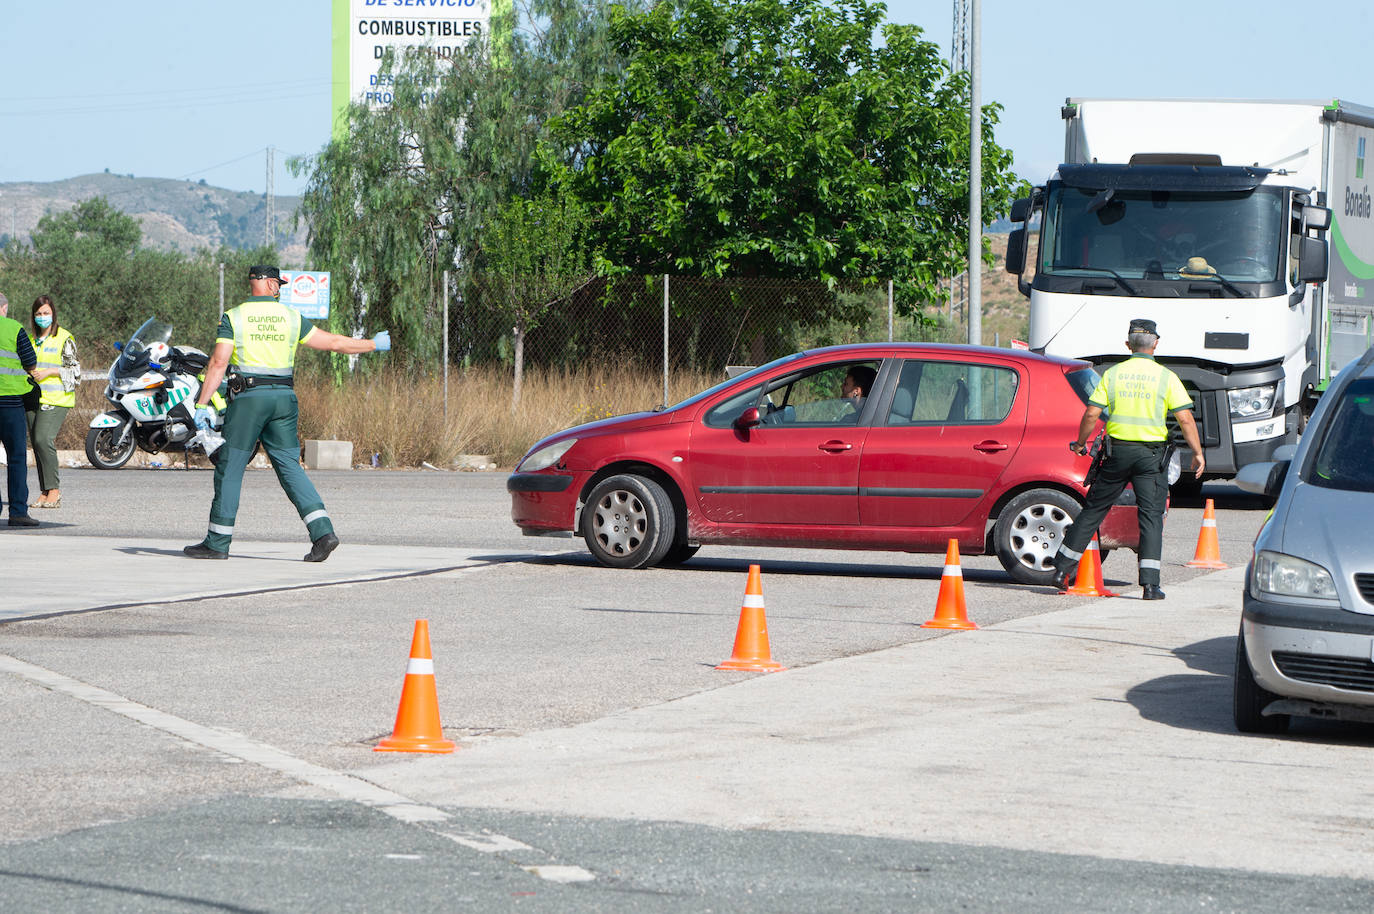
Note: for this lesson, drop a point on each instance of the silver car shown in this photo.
(1306, 643)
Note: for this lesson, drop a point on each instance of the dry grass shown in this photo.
(400, 416)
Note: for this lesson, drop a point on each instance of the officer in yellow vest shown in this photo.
(58, 373)
(18, 364)
(258, 339)
(1137, 395)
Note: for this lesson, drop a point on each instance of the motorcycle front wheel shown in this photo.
(101, 448)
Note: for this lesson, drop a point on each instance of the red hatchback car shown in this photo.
(951, 442)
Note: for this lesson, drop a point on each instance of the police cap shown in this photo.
(265, 273)
(1143, 325)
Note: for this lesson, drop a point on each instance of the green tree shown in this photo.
(534, 256)
(407, 193)
(777, 138)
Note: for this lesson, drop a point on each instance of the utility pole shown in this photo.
(269, 224)
(975, 183)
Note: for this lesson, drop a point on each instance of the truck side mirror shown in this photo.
(1316, 217)
(1312, 257)
(1021, 210)
(1016, 251)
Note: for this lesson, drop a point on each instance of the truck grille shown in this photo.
(1205, 413)
(1365, 582)
(1350, 673)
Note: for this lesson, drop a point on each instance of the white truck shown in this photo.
(1210, 217)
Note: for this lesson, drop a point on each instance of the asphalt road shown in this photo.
(191, 736)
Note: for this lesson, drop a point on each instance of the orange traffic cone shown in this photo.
(1208, 552)
(949, 606)
(1089, 581)
(751, 637)
(417, 720)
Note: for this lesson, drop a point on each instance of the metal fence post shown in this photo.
(446, 350)
(665, 339)
(889, 310)
(221, 291)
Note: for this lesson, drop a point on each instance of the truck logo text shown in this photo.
(1357, 204)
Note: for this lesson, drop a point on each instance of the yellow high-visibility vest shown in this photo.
(1138, 394)
(14, 380)
(49, 352)
(265, 338)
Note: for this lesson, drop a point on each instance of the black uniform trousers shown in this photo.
(1141, 464)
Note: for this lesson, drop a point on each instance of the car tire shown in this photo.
(1249, 698)
(679, 553)
(1028, 533)
(627, 522)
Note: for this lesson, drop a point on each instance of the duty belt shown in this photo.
(239, 383)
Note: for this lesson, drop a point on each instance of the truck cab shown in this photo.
(1221, 257)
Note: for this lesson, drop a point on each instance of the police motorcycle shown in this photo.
(153, 386)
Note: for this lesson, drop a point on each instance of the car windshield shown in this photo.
(1343, 460)
(1122, 235)
(134, 354)
(728, 382)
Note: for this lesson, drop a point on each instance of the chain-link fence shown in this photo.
(686, 323)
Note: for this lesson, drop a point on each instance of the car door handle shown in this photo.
(987, 447)
(834, 447)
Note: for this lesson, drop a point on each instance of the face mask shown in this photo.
(43, 320)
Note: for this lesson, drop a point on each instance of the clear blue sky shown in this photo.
(199, 89)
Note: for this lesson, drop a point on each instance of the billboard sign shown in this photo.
(365, 29)
(307, 292)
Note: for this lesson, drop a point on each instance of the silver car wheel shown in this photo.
(1035, 534)
(620, 521)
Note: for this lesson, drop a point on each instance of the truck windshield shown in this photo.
(1222, 237)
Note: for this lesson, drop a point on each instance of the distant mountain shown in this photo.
(175, 215)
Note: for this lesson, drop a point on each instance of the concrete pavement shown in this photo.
(1101, 729)
(87, 573)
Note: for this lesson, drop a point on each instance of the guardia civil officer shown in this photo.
(18, 365)
(259, 338)
(1137, 395)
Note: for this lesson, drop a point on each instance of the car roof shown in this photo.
(906, 348)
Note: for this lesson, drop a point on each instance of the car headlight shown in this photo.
(1285, 576)
(1252, 402)
(545, 456)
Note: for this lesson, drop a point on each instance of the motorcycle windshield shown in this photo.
(134, 356)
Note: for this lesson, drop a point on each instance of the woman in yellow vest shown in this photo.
(57, 376)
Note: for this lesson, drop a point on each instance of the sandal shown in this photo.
(55, 503)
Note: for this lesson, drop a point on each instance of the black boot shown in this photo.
(1152, 592)
(202, 551)
(1061, 579)
(320, 549)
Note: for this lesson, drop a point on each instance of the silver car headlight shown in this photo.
(1252, 402)
(1285, 576)
(546, 456)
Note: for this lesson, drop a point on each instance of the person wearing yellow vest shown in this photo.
(1137, 395)
(57, 376)
(18, 365)
(258, 338)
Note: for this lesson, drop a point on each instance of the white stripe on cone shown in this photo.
(420, 666)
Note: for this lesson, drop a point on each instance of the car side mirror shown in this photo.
(748, 419)
(1265, 478)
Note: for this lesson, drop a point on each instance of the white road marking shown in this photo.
(558, 873)
(236, 745)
